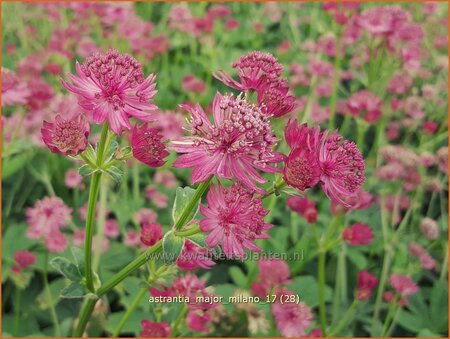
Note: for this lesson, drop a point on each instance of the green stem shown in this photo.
(136, 191)
(85, 314)
(101, 220)
(344, 319)
(321, 280)
(338, 284)
(176, 325)
(92, 202)
(444, 269)
(387, 321)
(187, 232)
(201, 189)
(50, 299)
(130, 311)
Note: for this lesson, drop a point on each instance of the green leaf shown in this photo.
(172, 247)
(86, 170)
(238, 276)
(182, 198)
(74, 290)
(66, 268)
(16, 163)
(199, 239)
(78, 257)
(308, 290)
(115, 173)
(90, 154)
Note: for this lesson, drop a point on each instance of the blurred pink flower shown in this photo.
(73, 179)
(399, 83)
(292, 319)
(193, 84)
(151, 233)
(56, 241)
(165, 178)
(358, 234)
(112, 87)
(68, 137)
(429, 228)
(170, 124)
(232, 24)
(159, 199)
(442, 159)
(273, 274)
(403, 284)
(155, 330)
(147, 146)
(430, 127)
(414, 107)
(48, 215)
(237, 144)
(132, 239)
(198, 321)
(235, 218)
(193, 257)
(255, 69)
(145, 215)
(104, 246)
(366, 283)
(112, 228)
(78, 237)
(219, 11)
(382, 20)
(304, 207)
(366, 105)
(13, 91)
(23, 259)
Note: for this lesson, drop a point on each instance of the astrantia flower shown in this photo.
(366, 283)
(155, 330)
(292, 319)
(68, 137)
(319, 157)
(56, 242)
(304, 207)
(13, 92)
(112, 228)
(273, 274)
(112, 87)
(235, 218)
(255, 69)
(429, 228)
(147, 146)
(358, 234)
(236, 145)
(403, 284)
(23, 260)
(194, 256)
(275, 100)
(151, 233)
(47, 215)
(366, 105)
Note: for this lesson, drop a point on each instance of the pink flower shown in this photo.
(366, 105)
(104, 245)
(194, 256)
(151, 233)
(430, 127)
(403, 284)
(145, 215)
(358, 234)
(198, 321)
(360, 201)
(78, 237)
(292, 319)
(231, 24)
(274, 98)
(112, 228)
(316, 156)
(316, 333)
(23, 260)
(442, 159)
(366, 283)
(429, 228)
(147, 146)
(157, 198)
(112, 87)
(236, 145)
(132, 239)
(255, 69)
(13, 92)
(56, 242)
(304, 207)
(399, 83)
(48, 215)
(273, 274)
(155, 330)
(193, 84)
(235, 218)
(165, 178)
(382, 20)
(73, 179)
(68, 137)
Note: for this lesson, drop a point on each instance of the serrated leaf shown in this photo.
(172, 247)
(66, 268)
(90, 153)
(199, 239)
(86, 170)
(182, 198)
(74, 290)
(115, 173)
(78, 256)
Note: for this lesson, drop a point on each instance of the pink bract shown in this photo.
(147, 146)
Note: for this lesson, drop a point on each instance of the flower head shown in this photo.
(194, 256)
(366, 283)
(403, 284)
(155, 330)
(147, 146)
(429, 228)
(112, 87)
(151, 233)
(255, 69)
(236, 145)
(358, 234)
(304, 207)
(68, 137)
(274, 98)
(13, 92)
(235, 218)
(23, 260)
(56, 242)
